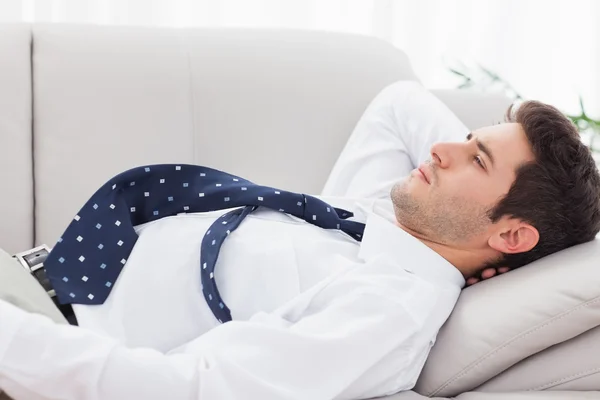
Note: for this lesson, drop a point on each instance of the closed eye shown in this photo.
(483, 148)
(479, 161)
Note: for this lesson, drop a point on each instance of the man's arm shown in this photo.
(362, 335)
(393, 137)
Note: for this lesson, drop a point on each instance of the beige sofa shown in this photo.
(79, 104)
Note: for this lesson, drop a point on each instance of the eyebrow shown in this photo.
(482, 146)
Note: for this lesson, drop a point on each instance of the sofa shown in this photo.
(81, 103)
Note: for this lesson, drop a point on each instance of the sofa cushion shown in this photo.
(579, 369)
(499, 322)
(555, 395)
(559, 395)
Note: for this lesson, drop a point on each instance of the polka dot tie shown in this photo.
(88, 258)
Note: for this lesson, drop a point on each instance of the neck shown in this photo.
(467, 260)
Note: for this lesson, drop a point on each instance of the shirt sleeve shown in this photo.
(362, 335)
(393, 137)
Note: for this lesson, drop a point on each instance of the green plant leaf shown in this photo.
(459, 73)
(581, 105)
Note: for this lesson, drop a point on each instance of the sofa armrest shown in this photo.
(475, 109)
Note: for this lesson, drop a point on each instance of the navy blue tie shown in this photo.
(88, 258)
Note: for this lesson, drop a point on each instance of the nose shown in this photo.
(446, 154)
(441, 154)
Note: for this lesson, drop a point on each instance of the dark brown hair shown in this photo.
(559, 192)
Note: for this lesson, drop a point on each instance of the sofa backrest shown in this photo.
(257, 103)
(80, 103)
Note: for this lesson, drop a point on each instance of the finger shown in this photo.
(488, 273)
(472, 281)
(503, 270)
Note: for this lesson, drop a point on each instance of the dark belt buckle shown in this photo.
(33, 261)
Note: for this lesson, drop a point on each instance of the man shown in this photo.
(316, 313)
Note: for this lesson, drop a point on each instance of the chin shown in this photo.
(410, 190)
(403, 186)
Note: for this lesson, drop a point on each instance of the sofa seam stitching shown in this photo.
(191, 96)
(567, 378)
(34, 231)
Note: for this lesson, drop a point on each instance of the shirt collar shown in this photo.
(381, 236)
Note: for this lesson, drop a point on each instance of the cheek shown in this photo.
(470, 185)
(483, 190)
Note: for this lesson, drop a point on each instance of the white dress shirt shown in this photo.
(316, 315)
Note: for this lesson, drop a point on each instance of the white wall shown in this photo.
(548, 49)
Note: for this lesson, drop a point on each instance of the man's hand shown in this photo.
(487, 274)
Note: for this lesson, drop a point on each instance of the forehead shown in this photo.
(508, 144)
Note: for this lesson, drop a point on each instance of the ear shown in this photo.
(516, 237)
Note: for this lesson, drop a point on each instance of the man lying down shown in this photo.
(191, 283)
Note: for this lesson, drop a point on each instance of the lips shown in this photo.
(423, 170)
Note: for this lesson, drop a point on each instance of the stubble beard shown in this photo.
(447, 220)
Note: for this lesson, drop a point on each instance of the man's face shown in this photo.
(449, 201)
